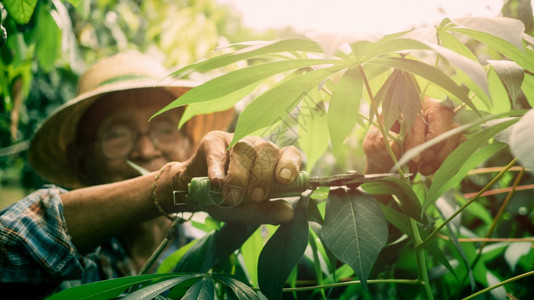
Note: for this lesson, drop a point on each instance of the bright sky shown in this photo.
(357, 17)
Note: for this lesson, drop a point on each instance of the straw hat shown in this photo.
(126, 71)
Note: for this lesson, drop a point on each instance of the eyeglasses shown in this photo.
(119, 140)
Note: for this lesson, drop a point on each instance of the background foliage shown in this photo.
(465, 229)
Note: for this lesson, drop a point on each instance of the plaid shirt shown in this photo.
(36, 248)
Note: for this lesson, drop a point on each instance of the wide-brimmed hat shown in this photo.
(48, 151)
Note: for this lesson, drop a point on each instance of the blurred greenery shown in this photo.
(45, 54)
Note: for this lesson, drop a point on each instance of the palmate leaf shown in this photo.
(219, 61)
(155, 289)
(511, 75)
(354, 229)
(107, 289)
(202, 290)
(228, 83)
(428, 72)
(283, 251)
(344, 107)
(276, 103)
(238, 288)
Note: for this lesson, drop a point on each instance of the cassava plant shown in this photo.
(441, 236)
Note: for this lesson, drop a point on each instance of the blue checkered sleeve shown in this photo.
(35, 246)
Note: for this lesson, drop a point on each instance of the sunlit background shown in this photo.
(359, 18)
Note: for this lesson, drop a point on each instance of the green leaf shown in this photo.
(107, 289)
(202, 290)
(450, 41)
(444, 180)
(508, 29)
(511, 74)
(250, 251)
(454, 162)
(312, 129)
(214, 247)
(521, 141)
(407, 199)
(20, 10)
(155, 289)
(528, 89)
(228, 83)
(507, 49)
(428, 72)
(74, 3)
(172, 260)
(344, 107)
(240, 289)
(354, 229)
(249, 52)
(276, 103)
(388, 46)
(215, 105)
(283, 251)
(403, 97)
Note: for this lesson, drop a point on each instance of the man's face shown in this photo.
(121, 132)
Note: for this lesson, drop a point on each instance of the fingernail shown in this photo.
(285, 173)
(257, 194)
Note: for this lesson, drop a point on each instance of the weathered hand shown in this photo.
(434, 120)
(245, 173)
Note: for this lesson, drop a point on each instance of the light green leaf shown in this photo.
(515, 251)
(108, 289)
(20, 10)
(344, 107)
(249, 52)
(428, 72)
(508, 29)
(312, 129)
(507, 49)
(172, 260)
(74, 3)
(387, 46)
(228, 83)
(444, 180)
(528, 88)
(354, 229)
(215, 105)
(521, 141)
(283, 251)
(155, 289)
(47, 35)
(511, 74)
(202, 290)
(455, 161)
(250, 251)
(451, 42)
(276, 103)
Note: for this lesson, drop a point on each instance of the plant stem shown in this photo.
(499, 284)
(485, 188)
(379, 120)
(354, 282)
(421, 261)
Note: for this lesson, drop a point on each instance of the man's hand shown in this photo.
(246, 174)
(434, 120)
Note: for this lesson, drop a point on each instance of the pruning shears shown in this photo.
(203, 193)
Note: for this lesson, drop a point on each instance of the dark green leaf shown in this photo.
(511, 74)
(283, 251)
(354, 229)
(428, 72)
(344, 107)
(202, 290)
(249, 52)
(227, 84)
(240, 289)
(155, 289)
(454, 162)
(211, 249)
(276, 103)
(172, 260)
(20, 10)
